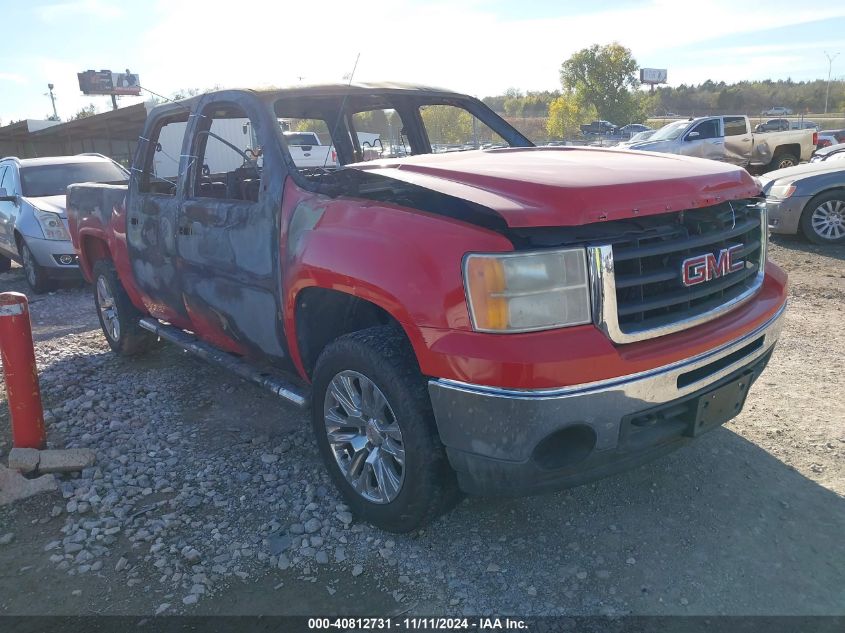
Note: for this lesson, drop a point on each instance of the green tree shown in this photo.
(566, 114)
(447, 124)
(604, 76)
(84, 112)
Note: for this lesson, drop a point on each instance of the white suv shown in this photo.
(33, 223)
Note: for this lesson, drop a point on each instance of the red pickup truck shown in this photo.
(498, 321)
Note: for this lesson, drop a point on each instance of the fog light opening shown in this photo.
(565, 448)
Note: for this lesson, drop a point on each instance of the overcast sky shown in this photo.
(477, 47)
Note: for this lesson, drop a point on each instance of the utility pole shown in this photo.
(830, 59)
(53, 100)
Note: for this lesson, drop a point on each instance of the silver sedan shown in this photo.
(809, 198)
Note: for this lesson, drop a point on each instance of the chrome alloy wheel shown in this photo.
(828, 220)
(108, 309)
(364, 437)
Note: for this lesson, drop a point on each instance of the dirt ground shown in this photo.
(749, 519)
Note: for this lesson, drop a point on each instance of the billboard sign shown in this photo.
(653, 75)
(105, 82)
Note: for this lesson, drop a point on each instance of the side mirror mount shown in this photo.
(5, 196)
(692, 136)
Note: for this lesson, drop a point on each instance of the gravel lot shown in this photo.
(208, 497)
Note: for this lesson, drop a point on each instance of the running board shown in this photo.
(211, 354)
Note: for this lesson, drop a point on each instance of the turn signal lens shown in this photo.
(524, 292)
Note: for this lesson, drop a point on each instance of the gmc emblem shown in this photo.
(696, 270)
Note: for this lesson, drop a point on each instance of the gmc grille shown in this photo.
(640, 292)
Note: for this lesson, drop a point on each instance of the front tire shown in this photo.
(823, 219)
(35, 274)
(375, 429)
(118, 317)
(5, 264)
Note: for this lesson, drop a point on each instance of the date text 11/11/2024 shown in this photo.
(417, 624)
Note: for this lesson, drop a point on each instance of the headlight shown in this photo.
(523, 292)
(51, 225)
(782, 191)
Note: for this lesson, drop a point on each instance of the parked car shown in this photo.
(33, 223)
(627, 131)
(639, 137)
(829, 152)
(804, 125)
(773, 125)
(776, 111)
(809, 198)
(611, 303)
(597, 128)
(830, 137)
(728, 138)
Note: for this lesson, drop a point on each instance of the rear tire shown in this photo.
(823, 219)
(393, 471)
(784, 160)
(118, 317)
(35, 274)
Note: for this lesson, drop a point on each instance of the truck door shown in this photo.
(738, 140)
(228, 227)
(705, 140)
(152, 205)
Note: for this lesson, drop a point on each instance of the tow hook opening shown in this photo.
(565, 448)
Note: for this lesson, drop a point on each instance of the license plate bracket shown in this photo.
(720, 405)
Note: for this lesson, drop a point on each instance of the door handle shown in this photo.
(185, 229)
(746, 139)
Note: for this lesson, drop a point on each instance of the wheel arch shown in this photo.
(322, 315)
(92, 248)
(808, 207)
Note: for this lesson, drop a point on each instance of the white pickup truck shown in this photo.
(306, 150)
(730, 139)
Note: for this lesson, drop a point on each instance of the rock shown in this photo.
(269, 458)
(345, 517)
(14, 486)
(297, 528)
(357, 570)
(531, 591)
(631, 560)
(24, 460)
(278, 544)
(312, 525)
(190, 599)
(493, 568)
(164, 606)
(191, 555)
(65, 460)
(284, 562)
(7, 538)
(322, 558)
(339, 555)
(121, 564)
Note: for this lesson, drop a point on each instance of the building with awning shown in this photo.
(113, 133)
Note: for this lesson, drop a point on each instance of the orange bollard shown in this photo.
(18, 356)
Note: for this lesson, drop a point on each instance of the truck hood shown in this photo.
(52, 204)
(570, 186)
(655, 146)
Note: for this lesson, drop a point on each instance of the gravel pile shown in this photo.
(158, 507)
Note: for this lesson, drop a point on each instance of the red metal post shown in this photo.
(18, 356)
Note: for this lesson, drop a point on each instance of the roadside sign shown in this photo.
(105, 82)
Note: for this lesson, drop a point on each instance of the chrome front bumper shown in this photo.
(492, 435)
